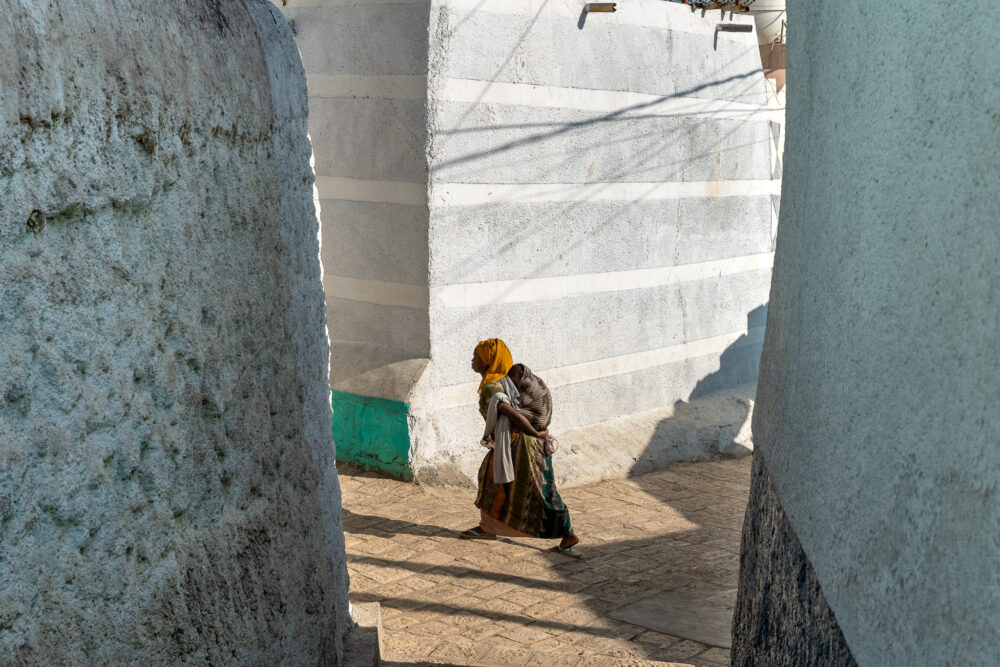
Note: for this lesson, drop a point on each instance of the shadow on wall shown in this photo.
(714, 421)
(740, 362)
(470, 147)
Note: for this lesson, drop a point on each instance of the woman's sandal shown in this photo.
(476, 534)
(568, 551)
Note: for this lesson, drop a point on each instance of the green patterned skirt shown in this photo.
(530, 504)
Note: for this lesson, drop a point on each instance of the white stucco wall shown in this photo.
(366, 64)
(594, 190)
(600, 199)
(167, 492)
(877, 410)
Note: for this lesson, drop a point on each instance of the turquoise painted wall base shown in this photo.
(373, 433)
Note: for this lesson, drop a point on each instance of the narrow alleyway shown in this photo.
(657, 582)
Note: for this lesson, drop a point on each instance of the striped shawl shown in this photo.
(536, 400)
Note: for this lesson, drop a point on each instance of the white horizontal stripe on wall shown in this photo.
(467, 194)
(397, 87)
(585, 99)
(465, 394)
(388, 192)
(470, 295)
(375, 292)
(449, 89)
(467, 295)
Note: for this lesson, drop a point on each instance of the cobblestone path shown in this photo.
(646, 541)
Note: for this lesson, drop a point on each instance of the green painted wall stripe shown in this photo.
(372, 432)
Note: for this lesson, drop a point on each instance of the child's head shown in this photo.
(515, 374)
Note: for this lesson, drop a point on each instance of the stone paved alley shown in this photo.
(656, 585)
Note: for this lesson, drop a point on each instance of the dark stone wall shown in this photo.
(781, 616)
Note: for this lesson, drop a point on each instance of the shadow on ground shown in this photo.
(657, 582)
(446, 600)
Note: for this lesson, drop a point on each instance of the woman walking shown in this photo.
(517, 492)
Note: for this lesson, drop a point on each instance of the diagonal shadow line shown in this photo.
(631, 118)
(695, 549)
(412, 604)
(650, 151)
(736, 113)
(506, 62)
(468, 16)
(736, 116)
(512, 241)
(467, 573)
(568, 127)
(623, 176)
(640, 118)
(380, 526)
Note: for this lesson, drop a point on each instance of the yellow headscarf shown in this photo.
(494, 353)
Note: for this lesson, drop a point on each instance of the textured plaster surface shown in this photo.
(371, 336)
(877, 403)
(359, 38)
(167, 492)
(350, 130)
(549, 46)
(586, 237)
(375, 241)
(501, 143)
(570, 328)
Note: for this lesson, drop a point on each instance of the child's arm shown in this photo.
(519, 420)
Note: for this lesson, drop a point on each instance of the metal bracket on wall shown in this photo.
(724, 6)
(734, 27)
(599, 7)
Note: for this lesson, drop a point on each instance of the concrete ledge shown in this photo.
(363, 644)
(372, 417)
(706, 428)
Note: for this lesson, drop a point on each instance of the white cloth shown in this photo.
(498, 426)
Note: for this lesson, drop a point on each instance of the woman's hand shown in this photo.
(519, 421)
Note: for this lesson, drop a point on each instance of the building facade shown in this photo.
(595, 189)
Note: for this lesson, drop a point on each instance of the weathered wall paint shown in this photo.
(373, 433)
(168, 493)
